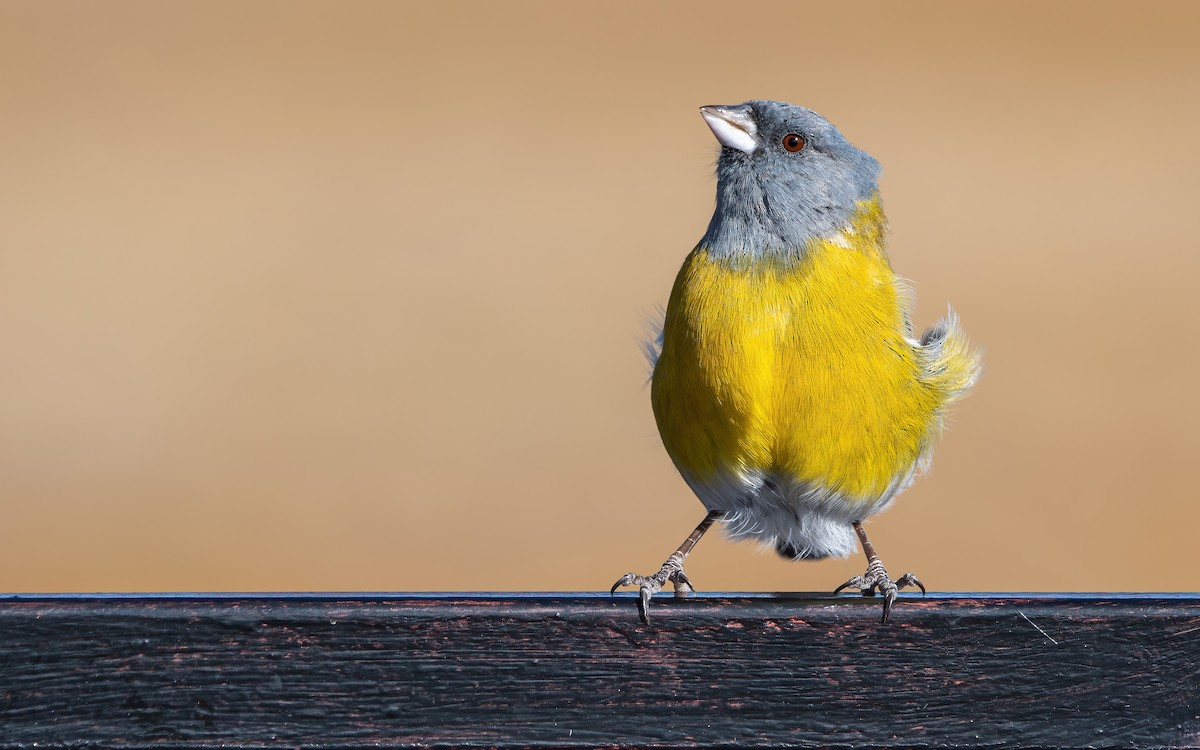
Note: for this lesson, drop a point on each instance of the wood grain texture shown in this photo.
(514, 670)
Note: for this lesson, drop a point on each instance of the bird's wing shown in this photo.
(949, 364)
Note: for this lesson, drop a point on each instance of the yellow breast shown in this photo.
(800, 367)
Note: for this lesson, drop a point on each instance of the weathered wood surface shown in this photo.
(581, 670)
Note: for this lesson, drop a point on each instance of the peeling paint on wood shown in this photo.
(514, 670)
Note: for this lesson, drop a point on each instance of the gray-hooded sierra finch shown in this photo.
(788, 387)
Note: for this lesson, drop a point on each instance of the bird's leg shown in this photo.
(876, 576)
(671, 570)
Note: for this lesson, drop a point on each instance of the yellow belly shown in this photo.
(801, 368)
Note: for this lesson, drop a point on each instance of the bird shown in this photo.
(788, 385)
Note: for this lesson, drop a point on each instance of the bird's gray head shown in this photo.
(785, 176)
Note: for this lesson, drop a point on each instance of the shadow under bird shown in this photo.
(788, 386)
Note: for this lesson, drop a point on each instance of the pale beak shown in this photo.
(732, 125)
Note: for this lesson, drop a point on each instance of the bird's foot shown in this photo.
(875, 578)
(671, 570)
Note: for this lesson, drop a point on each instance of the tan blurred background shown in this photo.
(346, 295)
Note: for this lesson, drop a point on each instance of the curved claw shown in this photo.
(624, 580)
(908, 579)
(888, 599)
(855, 582)
(683, 587)
(644, 604)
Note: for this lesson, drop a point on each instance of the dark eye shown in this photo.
(793, 142)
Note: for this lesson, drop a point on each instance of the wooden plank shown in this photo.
(513, 670)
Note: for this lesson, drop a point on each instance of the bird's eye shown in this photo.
(793, 142)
